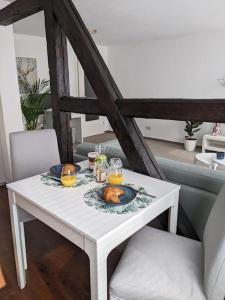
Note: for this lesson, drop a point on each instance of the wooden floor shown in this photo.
(57, 269)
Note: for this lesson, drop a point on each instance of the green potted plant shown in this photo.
(191, 128)
(32, 101)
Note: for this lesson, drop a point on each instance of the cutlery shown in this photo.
(139, 192)
(144, 193)
(51, 177)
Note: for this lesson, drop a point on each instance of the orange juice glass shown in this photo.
(115, 179)
(68, 178)
(115, 176)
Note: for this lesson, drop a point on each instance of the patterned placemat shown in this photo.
(84, 176)
(140, 202)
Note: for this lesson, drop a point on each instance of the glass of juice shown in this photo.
(68, 177)
(115, 176)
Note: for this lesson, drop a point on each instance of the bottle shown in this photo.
(101, 168)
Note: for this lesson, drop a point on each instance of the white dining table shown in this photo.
(94, 231)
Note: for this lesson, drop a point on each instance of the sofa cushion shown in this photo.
(197, 204)
(158, 265)
(78, 158)
(187, 174)
(175, 171)
(192, 175)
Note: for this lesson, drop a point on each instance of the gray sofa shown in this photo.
(199, 185)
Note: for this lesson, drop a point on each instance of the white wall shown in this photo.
(36, 47)
(185, 67)
(10, 110)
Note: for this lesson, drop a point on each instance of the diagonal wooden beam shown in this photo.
(19, 10)
(205, 110)
(59, 80)
(126, 130)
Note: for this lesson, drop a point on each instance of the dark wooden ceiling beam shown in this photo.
(81, 105)
(19, 10)
(209, 110)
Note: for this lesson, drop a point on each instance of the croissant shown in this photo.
(112, 194)
(117, 191)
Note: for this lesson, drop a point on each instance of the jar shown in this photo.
(115, 174)
(101, 168)
(98, 160)
(91, 160)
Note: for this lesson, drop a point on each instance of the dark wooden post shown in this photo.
(59, 80)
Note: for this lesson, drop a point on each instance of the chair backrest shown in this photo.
(214, 250)
(33, 152)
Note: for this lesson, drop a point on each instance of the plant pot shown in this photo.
(190, 144)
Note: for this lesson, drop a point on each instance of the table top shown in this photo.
(68, 206)
(206, 158)
(209, 158)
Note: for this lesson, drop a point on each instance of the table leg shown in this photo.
(98, 270)
(173, 212)
(22, 233)
(213, 166)
(18, 239)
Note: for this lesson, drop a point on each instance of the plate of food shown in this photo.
(57, 169)
(116, 195)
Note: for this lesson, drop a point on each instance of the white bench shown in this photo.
(213, 143)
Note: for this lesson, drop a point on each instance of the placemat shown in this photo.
(140, 202)
(84, 176)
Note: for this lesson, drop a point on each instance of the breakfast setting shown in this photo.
(110, 194)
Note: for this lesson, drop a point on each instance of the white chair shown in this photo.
(32, 153)
(157, 265)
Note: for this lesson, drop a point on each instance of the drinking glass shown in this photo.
(68, 177)
(99, 149)
(115, 176)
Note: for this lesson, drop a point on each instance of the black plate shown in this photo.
(128, 196)
(57, 170)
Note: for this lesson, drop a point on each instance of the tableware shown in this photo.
(68, 177)
(144, 193)
(128, 196)
(51, 177)
(99, 149)
(57, 169)
(220, 155)
(91, 159)
(115, 174)
(101, 168)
